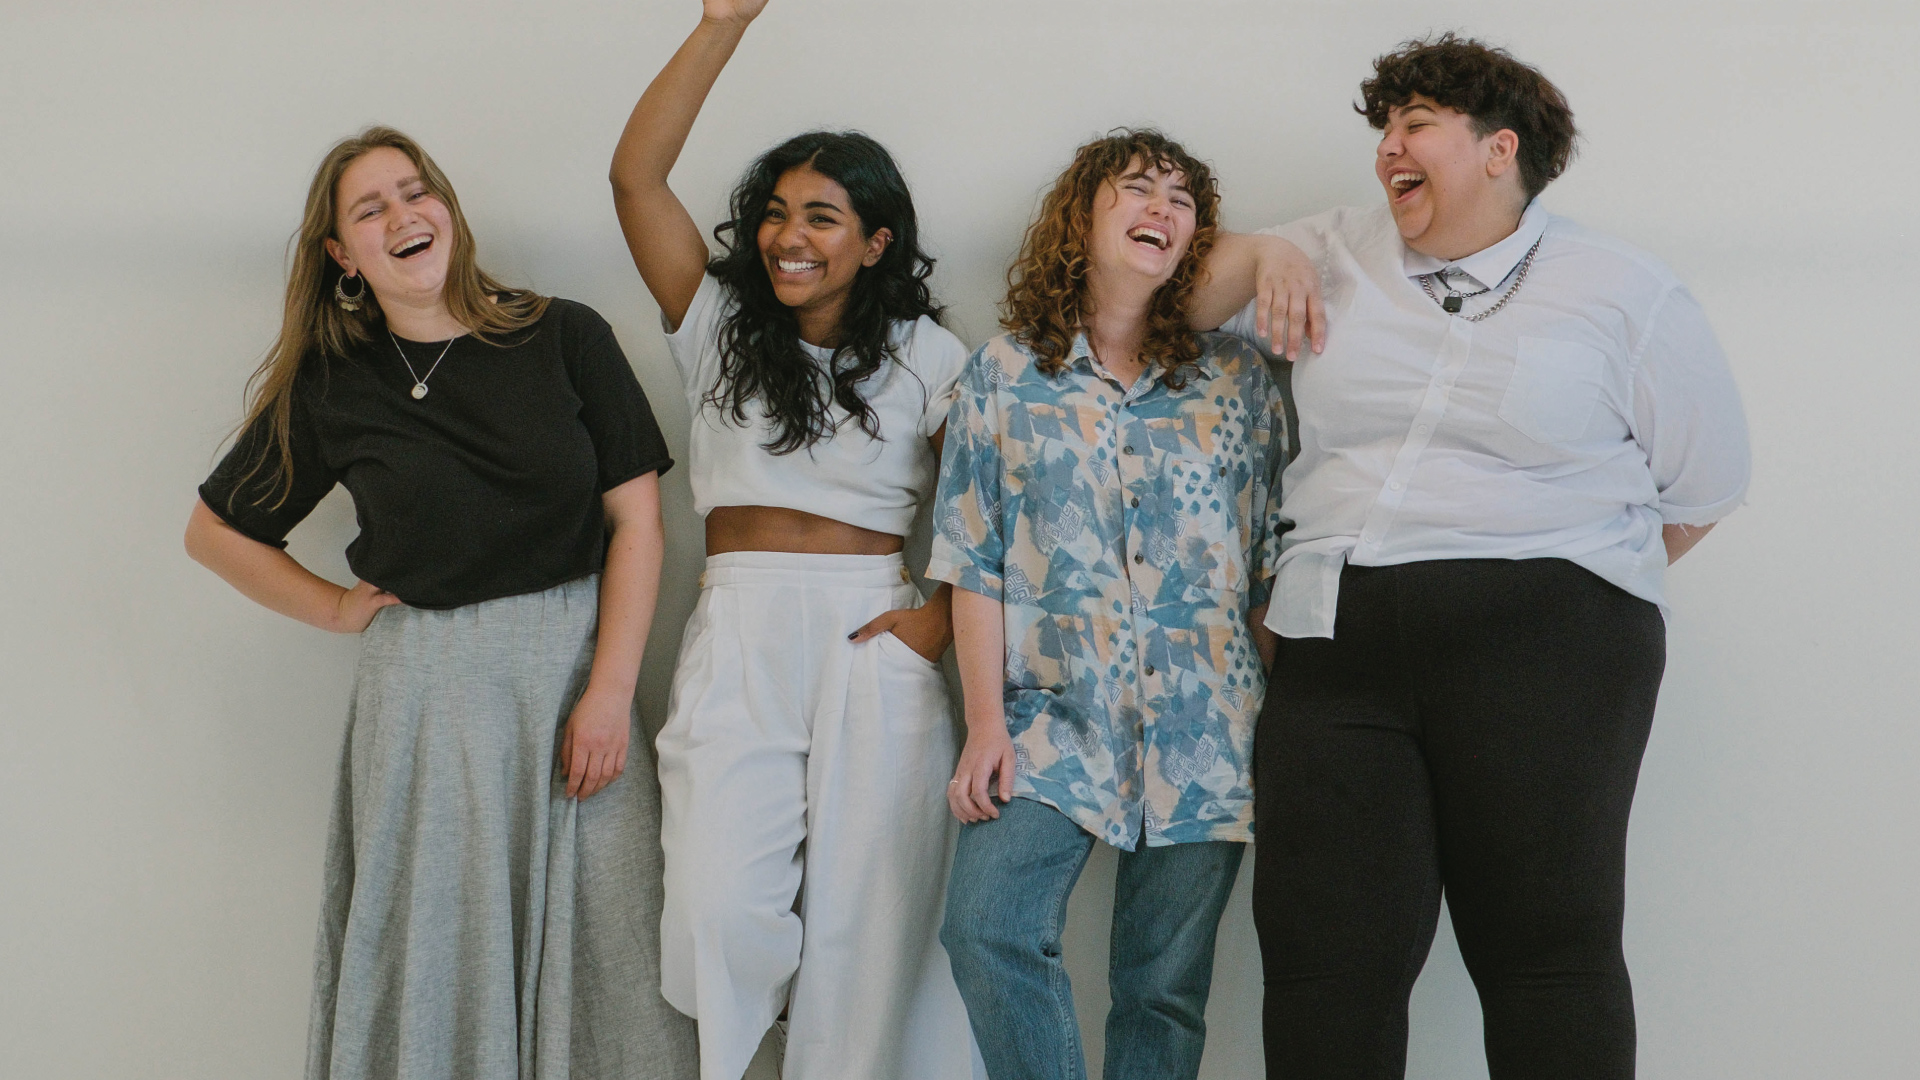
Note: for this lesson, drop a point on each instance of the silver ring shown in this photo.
(950, 783)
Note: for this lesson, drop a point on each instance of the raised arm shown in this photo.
(1249, 266)
(667, 246)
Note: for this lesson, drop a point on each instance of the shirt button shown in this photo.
(1370, 538)
(1223, 470)
(1127, 449)
(1139, 558)
(1136, 502)
(1423, 429)
(1149, 669)
(1396, 485)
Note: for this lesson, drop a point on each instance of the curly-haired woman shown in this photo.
(810, 732)
(1104, 515)
(1516, 425)
(484, 919)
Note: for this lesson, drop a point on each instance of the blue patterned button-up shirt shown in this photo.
(1126, 532)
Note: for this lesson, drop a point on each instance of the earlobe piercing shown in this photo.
(349, 301)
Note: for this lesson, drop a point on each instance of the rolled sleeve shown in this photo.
(1688, 417)
(968, 549)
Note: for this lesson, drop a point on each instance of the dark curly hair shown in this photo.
(1047, 284)
(760, 354)
(1487, 84)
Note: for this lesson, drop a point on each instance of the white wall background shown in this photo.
(166, 748)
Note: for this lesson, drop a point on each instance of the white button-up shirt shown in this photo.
(1574, 422)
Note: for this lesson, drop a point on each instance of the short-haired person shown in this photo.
(1103, 514)
(483, 918)
(1515, 426)
(810, 734)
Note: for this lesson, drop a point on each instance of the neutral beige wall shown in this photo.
(166, 749)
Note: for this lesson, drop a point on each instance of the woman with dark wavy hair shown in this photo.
(491, 883)
(1104, 517)
(809, 732)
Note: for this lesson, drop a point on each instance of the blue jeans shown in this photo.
(1006, 907)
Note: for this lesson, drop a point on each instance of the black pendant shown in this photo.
(1451, 305)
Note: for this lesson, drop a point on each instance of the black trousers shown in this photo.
(1475, 725)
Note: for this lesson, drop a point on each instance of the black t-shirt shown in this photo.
(489, 486)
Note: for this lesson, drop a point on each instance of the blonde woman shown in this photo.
(492, 884)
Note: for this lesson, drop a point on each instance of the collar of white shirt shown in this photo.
(1489, 266)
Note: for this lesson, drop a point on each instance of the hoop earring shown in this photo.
(349, 302)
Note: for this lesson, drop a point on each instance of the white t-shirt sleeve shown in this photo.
(1306, 234)
(695, 346)
(1688, 417)
(938, 358)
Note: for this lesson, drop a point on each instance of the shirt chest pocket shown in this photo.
(1202, 518)
(1554, 389)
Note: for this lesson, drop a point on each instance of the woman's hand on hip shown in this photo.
(593, 752)
(988, 754)
(357, 606)
(927, 630)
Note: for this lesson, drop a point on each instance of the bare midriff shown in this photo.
(776, 528)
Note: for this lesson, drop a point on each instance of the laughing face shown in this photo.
(390, 228)
(1443, 180)
(1143, 221)
(813, 246)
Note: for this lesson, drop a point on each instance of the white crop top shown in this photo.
(873, 484)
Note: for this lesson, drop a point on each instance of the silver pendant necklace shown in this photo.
(419, 381)
(1451, 305)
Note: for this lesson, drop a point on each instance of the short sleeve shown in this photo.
(969, 550)
(626, 439)
(1688, 417)
(938, 359)
(1303, 234)
(695, 345)
(249, 490)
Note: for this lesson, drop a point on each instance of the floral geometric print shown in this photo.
(1126, 532)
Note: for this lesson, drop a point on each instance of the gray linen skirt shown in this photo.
(477, 924)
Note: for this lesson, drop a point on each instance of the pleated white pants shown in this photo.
(792, 754)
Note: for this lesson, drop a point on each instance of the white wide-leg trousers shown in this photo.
(789, 753)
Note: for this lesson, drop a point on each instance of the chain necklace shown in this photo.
(1451, 305)
(420, 381)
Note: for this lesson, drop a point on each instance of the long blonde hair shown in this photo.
(315, 327)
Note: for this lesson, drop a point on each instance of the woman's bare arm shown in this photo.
(1681, 538)
(271, 578)
(980, 644)
(1248, 266)
(667, 246)
(593, 751)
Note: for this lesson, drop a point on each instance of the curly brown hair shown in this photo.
(1047, 284)
(1487, 84)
